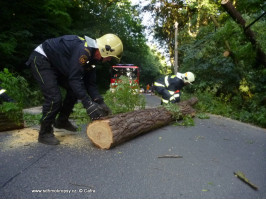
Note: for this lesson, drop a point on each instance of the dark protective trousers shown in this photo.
(50, 81)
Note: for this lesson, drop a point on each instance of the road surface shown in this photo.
(211, 152)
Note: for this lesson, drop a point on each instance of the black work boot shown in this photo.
(63, 123)
(46, 134)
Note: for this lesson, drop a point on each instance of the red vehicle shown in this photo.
(129, 70)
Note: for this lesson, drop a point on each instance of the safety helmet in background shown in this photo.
(110, 45)
(187, 77)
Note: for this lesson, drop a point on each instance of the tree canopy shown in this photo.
(216, 48)
(26, 23)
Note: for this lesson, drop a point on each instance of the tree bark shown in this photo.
(6, 124)
(113, 130)
(228, 6)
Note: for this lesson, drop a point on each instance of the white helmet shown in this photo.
(110, 45)
(187, 77)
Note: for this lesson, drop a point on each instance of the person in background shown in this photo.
(148, 88)
(169, 87)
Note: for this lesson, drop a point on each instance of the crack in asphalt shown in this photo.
(26, 168)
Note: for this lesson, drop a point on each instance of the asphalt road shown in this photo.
(211, 151)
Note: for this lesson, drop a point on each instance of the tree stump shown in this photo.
(113, 130)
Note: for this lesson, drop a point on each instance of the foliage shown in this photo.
(150, 67)
(234, 86)
(125, 97)
(251, 113)
(174, 109)
(24, 25)
(32, 119)
(180, 120)
(209, 103)
(16, 86)
(12, 111)
(13, 85)
(80, 115)
(203, 116)
(186, 121)
(122, 19)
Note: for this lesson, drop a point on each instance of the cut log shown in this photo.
(229, 7)
(226, 53)
(113, 130)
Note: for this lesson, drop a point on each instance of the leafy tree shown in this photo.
(125, 97)
(121, 18)
(33, 22)
(237, 79)
(24, 24)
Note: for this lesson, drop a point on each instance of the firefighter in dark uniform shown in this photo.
(169, 87)
(69, 61)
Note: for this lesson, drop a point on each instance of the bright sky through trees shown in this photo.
(148, 22)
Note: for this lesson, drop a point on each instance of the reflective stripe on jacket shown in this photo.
(2, 91)
(169, 87)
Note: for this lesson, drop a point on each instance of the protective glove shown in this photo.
(95, 111)
(105, 108)
(175, 98)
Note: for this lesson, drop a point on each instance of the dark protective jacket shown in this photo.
(169, 87)
(72, 59)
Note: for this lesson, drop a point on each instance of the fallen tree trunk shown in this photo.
(113, 130)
